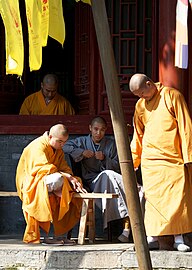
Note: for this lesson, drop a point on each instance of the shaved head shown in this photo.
(99, 120)
(58, 130)
(142, 86)
(58, 135)
(138, 81)
(50, 79)
(49, 87)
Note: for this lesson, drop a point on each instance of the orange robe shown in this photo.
(35, 105)
(162, 144)
(37, 160)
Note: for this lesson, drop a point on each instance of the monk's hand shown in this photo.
(88, 153)
(77, 186)
(99, 155)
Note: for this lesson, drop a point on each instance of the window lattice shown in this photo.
(130, 24)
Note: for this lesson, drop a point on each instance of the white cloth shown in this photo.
(54, 182)
(109, 181)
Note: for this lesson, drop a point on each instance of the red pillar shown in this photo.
(170, 75)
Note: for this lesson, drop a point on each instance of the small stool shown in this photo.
(88, 214)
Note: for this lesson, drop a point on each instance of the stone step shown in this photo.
(101, 255)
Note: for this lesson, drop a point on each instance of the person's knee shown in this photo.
(108, 172)
(54, 181)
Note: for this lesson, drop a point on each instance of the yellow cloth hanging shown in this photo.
(33, 13)
(44, 22)
(84, 1)
(56, 21)
(9, 11)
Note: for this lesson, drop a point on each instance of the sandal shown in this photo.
(57, 242)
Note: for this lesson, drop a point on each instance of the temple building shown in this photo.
(143, 39)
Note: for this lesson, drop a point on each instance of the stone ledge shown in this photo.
(98, 256)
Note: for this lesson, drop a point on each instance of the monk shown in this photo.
(97, 154)
(162, 145)
(47, 101)
(45, 184)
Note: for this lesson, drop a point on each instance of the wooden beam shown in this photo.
(38, 124)
(96, 195)
(75, 195)
(8, 193)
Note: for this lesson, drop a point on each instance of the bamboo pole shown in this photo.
(121, 133)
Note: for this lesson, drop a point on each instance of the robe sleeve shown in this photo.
(180, 109)
(69, 110)
(136, 143)
(24, 110)
(111, 161)
(64, 167)
(75, 149)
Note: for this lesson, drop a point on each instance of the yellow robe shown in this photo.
(37, 160)
(162, 144)
(35, 105)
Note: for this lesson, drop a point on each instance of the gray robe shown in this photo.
(101, 176)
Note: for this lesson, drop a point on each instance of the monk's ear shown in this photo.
(148, 83)
(41, 85)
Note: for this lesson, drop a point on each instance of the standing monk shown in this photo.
(47, 101)
(162, 145)
(45, 184)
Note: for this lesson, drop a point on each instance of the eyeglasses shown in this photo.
(59, 140)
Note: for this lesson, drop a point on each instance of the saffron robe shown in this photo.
(38, 160)
(101, 176)
(35, 105)
(162, 144)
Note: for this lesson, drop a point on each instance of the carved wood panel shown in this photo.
(132, 25)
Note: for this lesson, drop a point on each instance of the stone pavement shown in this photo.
(101, 255)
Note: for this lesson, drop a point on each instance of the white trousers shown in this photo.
(54, 182)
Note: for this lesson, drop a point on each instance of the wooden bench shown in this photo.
(87, 219)
(88, 214)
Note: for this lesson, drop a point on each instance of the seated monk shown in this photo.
(98, 156)
(47, 101)
(45, 184)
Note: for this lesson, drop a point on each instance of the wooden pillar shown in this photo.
(120, 133)
(170, 75)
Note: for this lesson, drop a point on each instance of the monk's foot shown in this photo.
(58, 242)
(181, 247)
(69, 242)
(153, 245)
(166, 242)
(123, 239)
